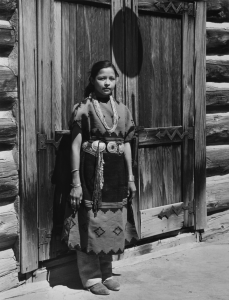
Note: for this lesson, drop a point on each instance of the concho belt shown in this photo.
(98, 148)
(111, 147)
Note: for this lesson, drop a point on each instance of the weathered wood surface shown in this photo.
(188, 112)
(160, 106)
(118, 44)
(165, 8)
(200, 116)
(7, 8)
(217, 97)
(217, 160)
(8, 128)
(217, 193)
(7, 100)
(7, 38)
(101, 2)
(217, 68)
(164, 135)
(8, 81)
(46, 158)
(152, 225)
(8, 271)
(28, 132)
(217, 129)
(217, 38)
(8, 176)
(218, 224)
(218, 11)
(8, 226)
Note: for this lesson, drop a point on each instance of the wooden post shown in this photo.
(28, 132)
(200, 117)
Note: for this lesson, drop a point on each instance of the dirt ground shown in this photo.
(191, 271)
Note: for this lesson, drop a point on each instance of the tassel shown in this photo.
(98, 183)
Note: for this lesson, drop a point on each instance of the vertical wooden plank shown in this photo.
(28, 132)
(188, 113)
(131, 57)
(200, 118)
(57, 78)
(118, 44)
(72, 59)
(65, 63)
(80, 54)
(107, 34)
(45, 14)
(131, 80)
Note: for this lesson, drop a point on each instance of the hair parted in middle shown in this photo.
(102, 64)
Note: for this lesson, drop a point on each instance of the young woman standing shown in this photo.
(102, 177)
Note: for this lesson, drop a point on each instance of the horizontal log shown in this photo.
(8, 270)
(8, 81)
(8, 226)
(217, 97)
(218, 10)
(8, 176)
(7, 100)
(217, 129)
(217, 68)
(8, 128)
(7, 8)
(217, 160)
(217, 38)
(217, 225)
(7, 41)
(217, 193)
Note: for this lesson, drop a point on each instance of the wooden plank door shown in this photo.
(166, 114)
(71, 37)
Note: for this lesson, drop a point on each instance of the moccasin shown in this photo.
(112, 285)
(99, 289)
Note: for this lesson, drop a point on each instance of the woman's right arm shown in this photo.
(76, 191)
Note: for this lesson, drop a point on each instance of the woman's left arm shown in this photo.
(131, 184)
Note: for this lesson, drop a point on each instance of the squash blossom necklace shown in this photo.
(99, 179)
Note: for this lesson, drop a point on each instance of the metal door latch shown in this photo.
(42, 142)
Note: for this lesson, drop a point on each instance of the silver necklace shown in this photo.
(101, 116)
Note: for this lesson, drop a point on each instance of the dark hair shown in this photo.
(94, 71)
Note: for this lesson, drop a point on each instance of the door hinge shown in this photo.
(42, 142)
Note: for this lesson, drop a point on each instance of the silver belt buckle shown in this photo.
(96, 144)
(112, 147)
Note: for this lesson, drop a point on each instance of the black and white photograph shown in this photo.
(114, 149)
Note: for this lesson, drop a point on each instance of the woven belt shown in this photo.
(111, 147)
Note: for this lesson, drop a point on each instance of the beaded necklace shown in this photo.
(101, 116)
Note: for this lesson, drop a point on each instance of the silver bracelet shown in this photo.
(131, 178)
(76, 186)
(75, 170)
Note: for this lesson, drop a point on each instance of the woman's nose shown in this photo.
(107, 82)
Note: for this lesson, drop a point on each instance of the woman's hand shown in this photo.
(131, 191)
(76, 196)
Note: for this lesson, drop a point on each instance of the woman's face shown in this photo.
(104, 82)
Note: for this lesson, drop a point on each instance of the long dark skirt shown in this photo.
(104, 233)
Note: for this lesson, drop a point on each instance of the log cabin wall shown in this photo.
(217, 101)
(9, 198)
